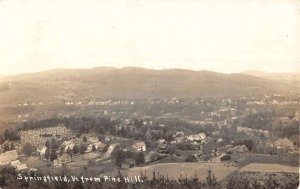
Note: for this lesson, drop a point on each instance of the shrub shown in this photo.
(191, 158)
(225, 158)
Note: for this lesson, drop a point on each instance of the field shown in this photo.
(174, 170)
(257, 158)
(268, 168)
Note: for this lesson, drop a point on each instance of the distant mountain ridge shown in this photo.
(274, 76)
(133, 82)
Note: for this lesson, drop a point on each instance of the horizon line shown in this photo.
(139, 67)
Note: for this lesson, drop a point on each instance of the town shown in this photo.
(129, 137)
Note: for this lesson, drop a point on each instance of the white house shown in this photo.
(7, 157)
(68, 145)
(21, 167)
(15, 163)
(140, 146)
(198, 137)
(42, 150)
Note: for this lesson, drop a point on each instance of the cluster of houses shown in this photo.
(11, 158)
(91, 143)
(89, 102)
(162, 145)
(253, 132)
(36, 137)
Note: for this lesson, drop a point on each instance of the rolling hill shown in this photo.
(283, 77)
(131, 82)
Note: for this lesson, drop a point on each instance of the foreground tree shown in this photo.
(28, 149)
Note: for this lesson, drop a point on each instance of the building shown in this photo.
(180, 139)
(68, 145)
(161, 141)
(199, 137)
(21, 167)
(65, 158)
(108, 138)
(42, 150)
(240, 149)
(139, 146)
(178, 134)
(7, 157)
(89, 148)
(56, 163)
(15, 163)
(99, 145)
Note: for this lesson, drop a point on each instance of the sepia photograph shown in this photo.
(149, 94)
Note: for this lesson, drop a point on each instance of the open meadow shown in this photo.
(175, 170)
(270, 168)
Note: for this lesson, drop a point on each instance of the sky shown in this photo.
(218, 35)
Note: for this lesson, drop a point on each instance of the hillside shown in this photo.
(293, 78)
(60, 84)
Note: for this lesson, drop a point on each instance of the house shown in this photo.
(139, 146)
(178, 134)
(89, 148)
(64, 158)
(15, 163)
(68, 145)
(7, 157)
(56, 163)
(162, 141)
(99, 145)
(199, 137)
(42, 150)
(128, 163)
(240, 149)
(108, 139)
(147, 122)
(21, 167)
(33, 170)
(179, 139)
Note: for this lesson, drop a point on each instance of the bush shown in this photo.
(155, 156)
(225, 158)
(140, 158)
(171, 149)
(178, 153)
(191, 158)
